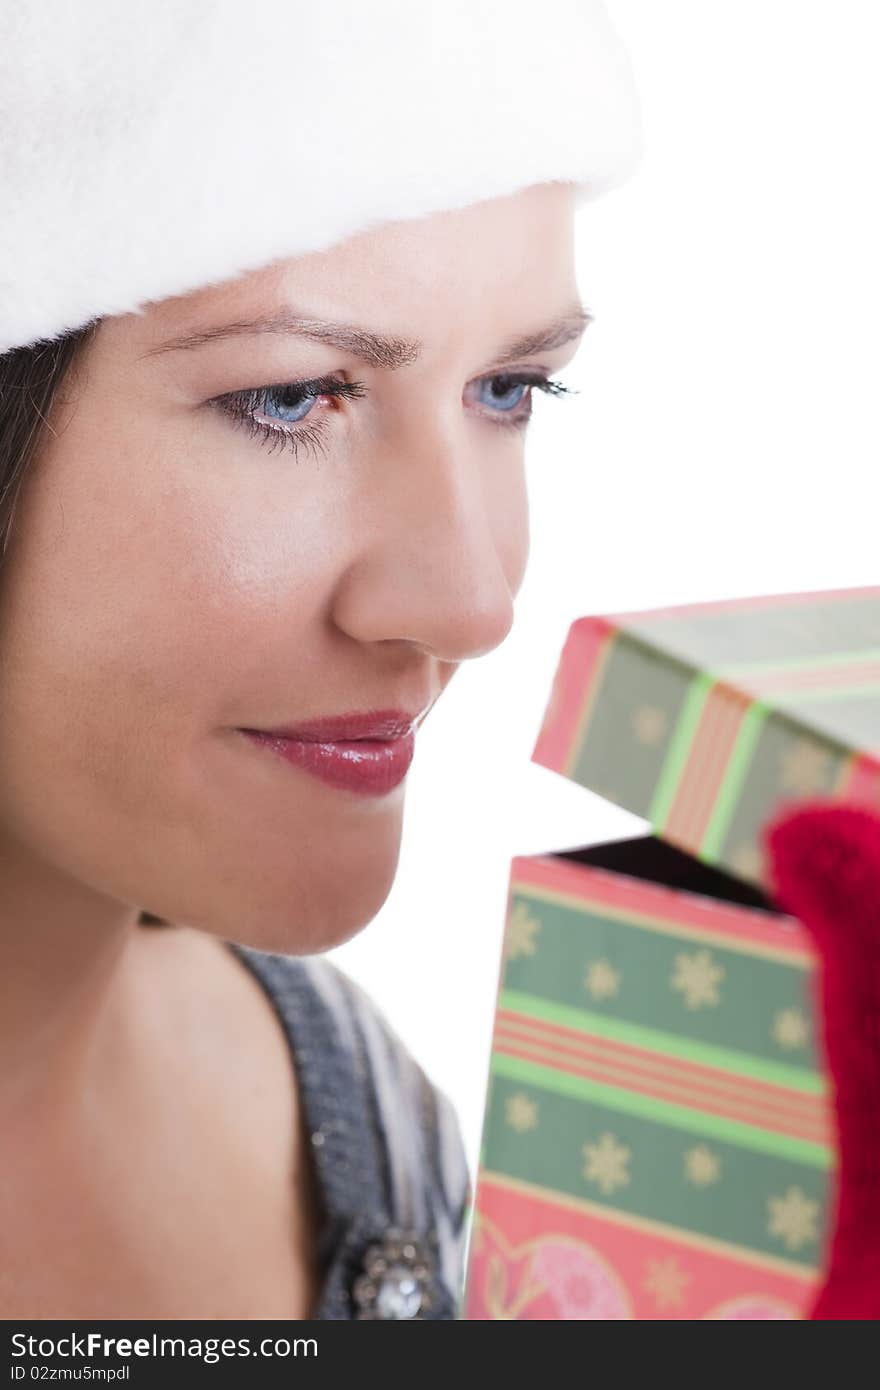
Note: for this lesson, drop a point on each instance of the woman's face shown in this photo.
(176, 575)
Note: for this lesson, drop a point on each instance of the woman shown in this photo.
(261, 497)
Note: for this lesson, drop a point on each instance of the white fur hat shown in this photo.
(152, 147)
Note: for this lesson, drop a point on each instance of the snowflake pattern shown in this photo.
(522, 928)
(793, 1218)
(650, 725)
(521, 1112)
(697, 978)
(702, 1166)
(805, 768)
(605, 1164)
(666, 1282)
(791, 1029)
(601, 981)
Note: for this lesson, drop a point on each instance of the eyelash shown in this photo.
(242, 406)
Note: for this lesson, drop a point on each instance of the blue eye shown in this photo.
(511, 393)
(277, 414)
(504, 394)
(288, 404)
(284, 406)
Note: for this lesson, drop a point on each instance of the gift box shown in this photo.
(658, 1138)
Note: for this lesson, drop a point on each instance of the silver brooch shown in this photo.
(398, 1277)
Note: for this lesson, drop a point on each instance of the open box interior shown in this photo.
(650, 858)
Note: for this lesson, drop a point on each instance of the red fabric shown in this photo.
(825, 866)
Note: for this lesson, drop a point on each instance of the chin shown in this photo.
(301, 937)
(298, 890)
(308, 919)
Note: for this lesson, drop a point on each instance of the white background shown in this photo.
(724, 442)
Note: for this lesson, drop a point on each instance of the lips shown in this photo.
(369, 753)
(374, 724)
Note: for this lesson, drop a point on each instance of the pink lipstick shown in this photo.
(368, 753)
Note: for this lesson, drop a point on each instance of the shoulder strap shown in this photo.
(428, 1181)
(386, 1141)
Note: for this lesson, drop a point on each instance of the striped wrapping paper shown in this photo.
(706, 719)
(657, 1139)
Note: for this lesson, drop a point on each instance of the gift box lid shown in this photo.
(706, 719)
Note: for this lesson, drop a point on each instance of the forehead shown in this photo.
(399, 275)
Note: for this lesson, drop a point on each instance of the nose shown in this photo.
(442, 544)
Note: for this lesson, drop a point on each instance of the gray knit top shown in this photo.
(387, 1152)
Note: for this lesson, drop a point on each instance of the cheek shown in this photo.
(142, 593)
(138, 623)
(135, 624)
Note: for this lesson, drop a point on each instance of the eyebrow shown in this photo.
(377, 349)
